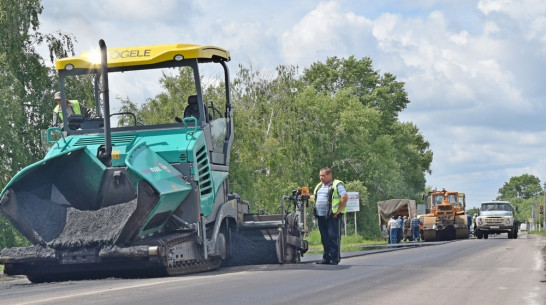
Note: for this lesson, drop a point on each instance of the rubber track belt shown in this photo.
(189, 266)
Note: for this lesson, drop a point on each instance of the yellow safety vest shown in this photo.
(75, 106)
(336, 199)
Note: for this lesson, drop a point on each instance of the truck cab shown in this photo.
(496, 217)
(445, 218)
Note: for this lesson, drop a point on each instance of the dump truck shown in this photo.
(145, 199)
(496, 217)
(394, 208)
(445, 218)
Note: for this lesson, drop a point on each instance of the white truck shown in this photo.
(496, 217)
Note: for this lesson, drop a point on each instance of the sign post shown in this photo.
(353, 205)
(541, 214)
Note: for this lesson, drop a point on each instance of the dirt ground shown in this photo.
(5, 278)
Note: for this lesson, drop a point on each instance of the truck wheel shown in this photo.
(485, 236)
(478, 234)
(515, 235)
(510, 234)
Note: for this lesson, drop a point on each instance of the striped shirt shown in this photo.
(321, 202)
(415, 222)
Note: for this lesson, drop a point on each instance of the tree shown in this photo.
(389, 156)
(26, 90)
(271, 151)
(381, 92)
(27, 84)
(162, 108)
(524, 186)
(288, 127)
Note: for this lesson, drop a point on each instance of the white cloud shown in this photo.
(456, 69)
(324, 32)
(517, 9)
(488, 6)
(527, 15)
(460, 38)
(133, 10)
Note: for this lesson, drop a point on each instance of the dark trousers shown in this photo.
(330, 235)
(415, 231)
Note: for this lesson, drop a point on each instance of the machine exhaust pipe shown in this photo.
(106, 156)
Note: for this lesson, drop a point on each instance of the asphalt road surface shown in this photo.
(493, 271)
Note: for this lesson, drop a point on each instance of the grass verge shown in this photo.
(541, 232)
(348, 242)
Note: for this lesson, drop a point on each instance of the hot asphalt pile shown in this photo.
(93, 228)
(63, 227)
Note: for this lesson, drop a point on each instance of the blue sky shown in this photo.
(474, 70)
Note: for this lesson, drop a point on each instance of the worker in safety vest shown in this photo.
(330, 202)
(72, 107)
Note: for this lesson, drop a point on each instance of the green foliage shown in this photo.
(473, 211)
(341, 114)
(26, 87)
(80, 88)
(525, 207)
(160, 109)
(523, 192)
(364, 140)
(26, 91)
(271, 151)
(367, 216)
(524, 186)
(381, 92)
(542, 232)
(9, 236)
(173, 100)
(314, 238)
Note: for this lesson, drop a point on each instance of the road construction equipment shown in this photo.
(144, 199)
(445, 218)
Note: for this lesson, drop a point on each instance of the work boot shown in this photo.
(323, 262)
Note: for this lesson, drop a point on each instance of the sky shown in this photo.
(473, 70)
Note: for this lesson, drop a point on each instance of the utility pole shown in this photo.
(542, 208)
(534, 216)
